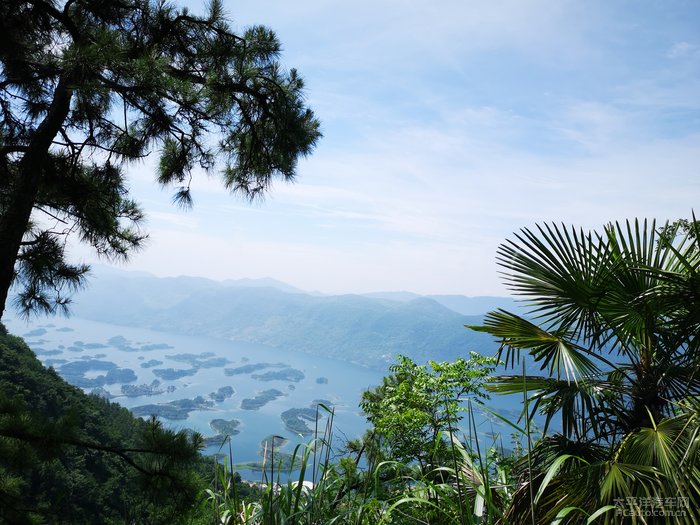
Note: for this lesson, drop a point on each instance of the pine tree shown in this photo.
(88, 87)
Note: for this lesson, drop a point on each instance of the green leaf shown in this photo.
(552, 471)
(599, 512)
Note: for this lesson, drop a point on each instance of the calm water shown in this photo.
(345, 385)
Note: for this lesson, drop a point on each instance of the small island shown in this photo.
(261, 399)
(123, 344)
(321, 380)
(151, 363)
(225, 427)
(217, 440)
(145, 390)
(74, 372)
(90, 346)
(286, 374)
(189, 358)
(155, 346)
(196, 361)
(212, 362)
(222, 393)
(274, 457)
(94, 346)
(170, 374)
(35, 333)
(254, 367)
(272, 441)
(178, 409)
(41, 351)
(295, 419)
(52, 362)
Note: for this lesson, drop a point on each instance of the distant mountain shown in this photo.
(474, 305)
(124, 292)
(459, 303)
(401, 297)
(99, 273)
(265, 282)
(366, 330)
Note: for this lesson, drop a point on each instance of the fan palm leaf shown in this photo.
(613, 323)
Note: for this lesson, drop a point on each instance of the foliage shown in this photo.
(613, 325)
(66, 457)
(346, 492)
(415, 406)
(89, 87)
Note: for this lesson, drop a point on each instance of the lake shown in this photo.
(85, 352)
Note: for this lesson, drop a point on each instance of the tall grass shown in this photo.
(471, 484)
(471, 490)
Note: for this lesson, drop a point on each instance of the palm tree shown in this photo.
(613, 322)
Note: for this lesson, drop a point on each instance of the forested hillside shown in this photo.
(365, 330)
(68, 457)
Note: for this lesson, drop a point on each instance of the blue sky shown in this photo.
(447, 126)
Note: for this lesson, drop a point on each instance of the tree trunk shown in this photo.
(647, 404)
(25, 185)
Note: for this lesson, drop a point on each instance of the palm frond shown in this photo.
(557, 270)
(553, 350)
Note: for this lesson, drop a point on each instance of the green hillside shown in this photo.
(67, 457)
(365, 330)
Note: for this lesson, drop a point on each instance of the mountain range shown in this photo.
(368, 329)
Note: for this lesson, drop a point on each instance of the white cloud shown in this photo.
(595, 125)
(174, 220)
(449, 125)
(683, 50)
(402, 35)
(434, 268)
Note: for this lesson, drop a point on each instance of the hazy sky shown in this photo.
(447, 126)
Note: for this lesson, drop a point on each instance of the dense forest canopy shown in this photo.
(69, 457)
